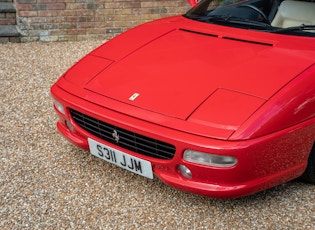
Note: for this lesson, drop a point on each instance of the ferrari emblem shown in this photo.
(115, 136)
(134, 96)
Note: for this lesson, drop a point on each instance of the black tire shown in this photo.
(309, 174)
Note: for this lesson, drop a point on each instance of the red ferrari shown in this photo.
(219, 101)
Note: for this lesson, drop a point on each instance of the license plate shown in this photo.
(121, 159)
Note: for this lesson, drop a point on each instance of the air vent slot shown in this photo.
(197, 32)
(248, 41)
(228, 38)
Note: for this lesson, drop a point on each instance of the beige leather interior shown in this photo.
(294, 13)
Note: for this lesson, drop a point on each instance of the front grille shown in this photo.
(127, 139)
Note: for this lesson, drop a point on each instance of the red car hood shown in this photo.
(195, 75)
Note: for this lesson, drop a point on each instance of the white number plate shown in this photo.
(121, 159)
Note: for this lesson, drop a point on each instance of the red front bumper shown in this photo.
(262, 163)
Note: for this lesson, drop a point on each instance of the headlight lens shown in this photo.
(209, 159)
(60, 107)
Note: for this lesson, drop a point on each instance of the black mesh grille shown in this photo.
(128, 140)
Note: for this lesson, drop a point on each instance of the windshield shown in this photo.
(274, 16)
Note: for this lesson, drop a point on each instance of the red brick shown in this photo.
(35, 20)
(56, 6)
(85, 25)
(104, 11)
(6, 21)
(86, 12)
(113, 5)
(114, 17)
(95, 31)
(99, 18)
(10, 15)
(48, 13)
(150, 16)
(122, 11)
(28, 13)
(68, 25)
(132, 4)
(146, 4)
(55, 20)
(76, 31)
(67, 12)
(46, 1)
(131, 17)
(122, 24)
(24, 7)
(75, 6)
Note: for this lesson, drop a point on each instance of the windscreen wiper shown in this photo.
(302, 27)
(228, 19)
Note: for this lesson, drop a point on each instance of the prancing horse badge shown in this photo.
(134, 96)
(115, 135)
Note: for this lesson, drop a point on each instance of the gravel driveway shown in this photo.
(48, 183)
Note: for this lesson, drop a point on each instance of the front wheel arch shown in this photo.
(309, 173)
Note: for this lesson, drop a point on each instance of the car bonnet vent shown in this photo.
(264, 43)
(197, 32)
(249, 41)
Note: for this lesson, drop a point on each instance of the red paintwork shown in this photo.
(193, 2)
(221, 94)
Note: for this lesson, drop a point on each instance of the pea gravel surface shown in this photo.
(48, 183)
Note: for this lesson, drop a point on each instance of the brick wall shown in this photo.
(7, 16)
(7, 19)
(64, 20)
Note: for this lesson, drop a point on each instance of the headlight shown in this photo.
(59, 107)
(209, 159)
